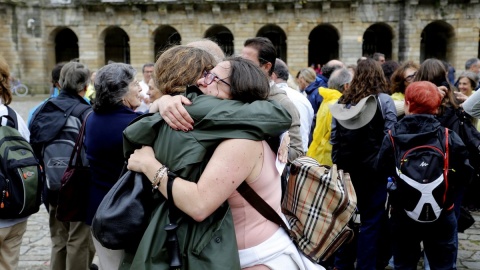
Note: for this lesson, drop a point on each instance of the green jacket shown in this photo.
(210, 244)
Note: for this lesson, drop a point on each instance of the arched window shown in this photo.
(437, 41)
(277, 37)
(378, 38)
(323, 44)
(66, 46)
(117, 47)
(165, 37)
(221, 35)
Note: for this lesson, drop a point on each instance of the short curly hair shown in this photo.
(180, 66)
(397, 80)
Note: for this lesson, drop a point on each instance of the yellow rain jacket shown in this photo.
(320, 148)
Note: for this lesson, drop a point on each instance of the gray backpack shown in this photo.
(56, 150)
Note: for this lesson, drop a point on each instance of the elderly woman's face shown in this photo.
(216, 82)
(465, 86)
(132, 98)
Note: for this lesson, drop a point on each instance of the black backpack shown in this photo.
(422, 170)
(21, 176)
(460, 122)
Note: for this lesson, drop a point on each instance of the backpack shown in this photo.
(57, 143)
(318, 204)
(422, 181)
(21, 176)
(460, 122)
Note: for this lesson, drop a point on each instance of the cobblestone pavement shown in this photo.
(35, 250)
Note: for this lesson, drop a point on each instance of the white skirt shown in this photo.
(277, 252)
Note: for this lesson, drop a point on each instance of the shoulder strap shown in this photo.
(445, 164)
(260, 205)
(11, 116)
(79, 110)
(77, 149)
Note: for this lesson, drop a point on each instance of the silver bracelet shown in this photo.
(157, 179)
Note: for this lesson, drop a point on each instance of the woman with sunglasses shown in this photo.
(230, 107)
(401, 78)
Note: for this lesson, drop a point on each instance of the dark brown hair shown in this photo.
(368, 80)
(433, 70)
(398, 77)
(248, 82)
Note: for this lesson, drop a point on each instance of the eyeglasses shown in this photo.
(409, 78)
(210, 77)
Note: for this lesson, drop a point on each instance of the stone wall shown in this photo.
(29, 48)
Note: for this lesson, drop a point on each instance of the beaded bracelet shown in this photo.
(157, 179)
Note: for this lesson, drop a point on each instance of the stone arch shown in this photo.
(223, 36)
(66, 45)
(437, 41)
(164, 37)
(323, 44)
(53, 46)
(378, 38)
(278, 38)
(478, 53)
(116, 45)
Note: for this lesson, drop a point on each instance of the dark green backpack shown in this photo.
(21, 176)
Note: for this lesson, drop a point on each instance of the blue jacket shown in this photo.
(312, 92)
(104, 149)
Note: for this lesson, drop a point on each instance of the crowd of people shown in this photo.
(219, 121)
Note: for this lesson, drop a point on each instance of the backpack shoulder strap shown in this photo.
(393, 145)
(260, 205)
(11, 118)
(447, 156)
(79, 110)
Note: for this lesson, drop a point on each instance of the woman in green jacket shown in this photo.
(205, 233)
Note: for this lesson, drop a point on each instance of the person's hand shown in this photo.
(461, 97)
(283, 149)
(140, 159)
(443, 90)
(172, 111)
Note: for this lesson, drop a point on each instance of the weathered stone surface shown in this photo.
(30, 48)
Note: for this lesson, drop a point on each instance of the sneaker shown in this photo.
(93, 267)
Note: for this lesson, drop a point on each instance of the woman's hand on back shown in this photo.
(173, 112)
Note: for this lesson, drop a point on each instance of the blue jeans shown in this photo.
(439, 241)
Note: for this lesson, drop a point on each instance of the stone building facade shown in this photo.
(36, 34)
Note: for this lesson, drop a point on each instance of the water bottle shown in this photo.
(391, 185)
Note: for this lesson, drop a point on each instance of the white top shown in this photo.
(143, 107)
(472, 104)
(305, 109)
(23, 129)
